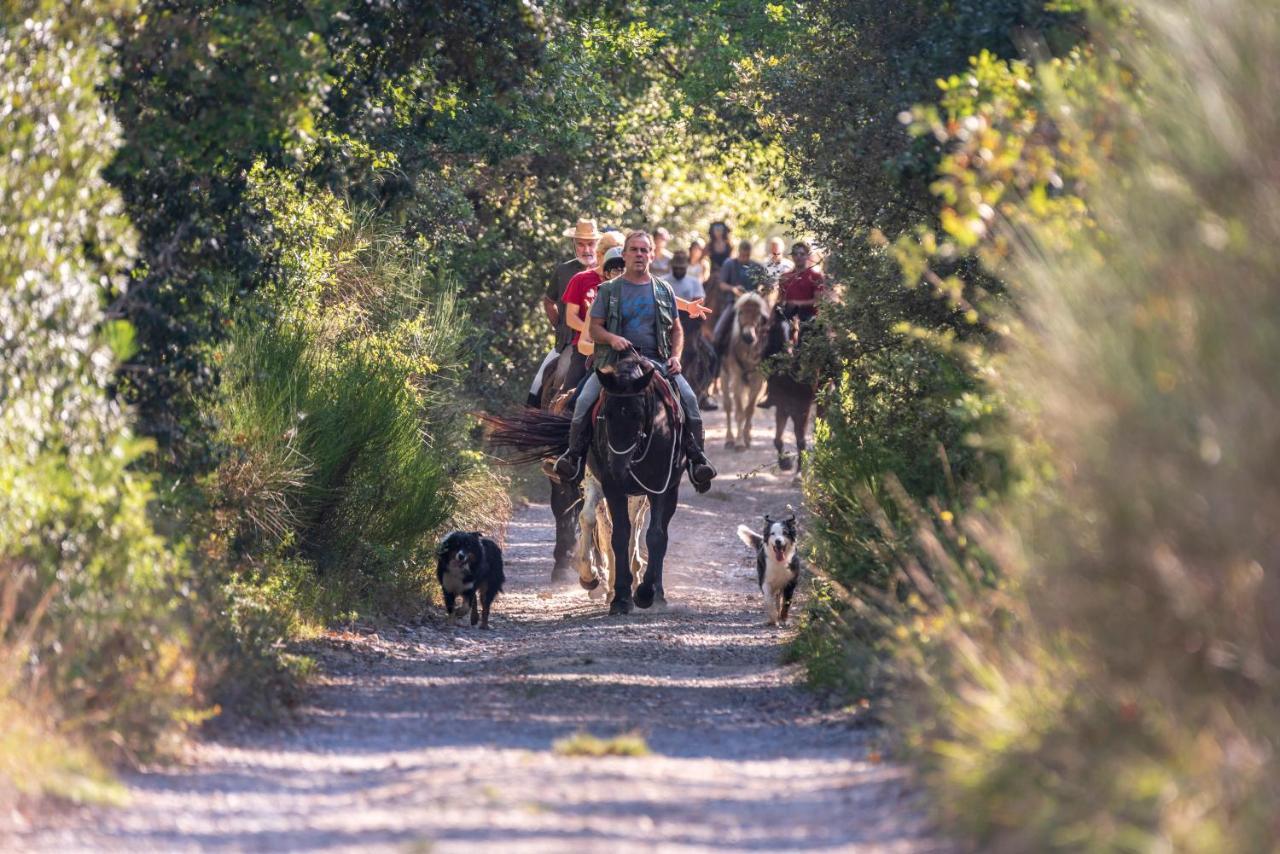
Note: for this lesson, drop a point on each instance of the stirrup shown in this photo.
(577, 469)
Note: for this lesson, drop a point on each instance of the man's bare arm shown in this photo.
(573, 317)
(599, 333)
(552, 310)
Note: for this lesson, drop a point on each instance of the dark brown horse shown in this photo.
(564, 497)
(636, 449)
(791, 396)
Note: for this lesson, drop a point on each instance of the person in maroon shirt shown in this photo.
(799, 289)
(578, 296)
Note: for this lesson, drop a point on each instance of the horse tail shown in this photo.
(532, 434)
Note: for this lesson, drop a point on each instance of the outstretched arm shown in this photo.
(693, 308)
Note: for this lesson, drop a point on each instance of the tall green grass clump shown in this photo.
(1096, 665)
(93, 661)
(345, 437)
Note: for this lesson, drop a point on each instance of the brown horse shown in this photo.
(790, 396)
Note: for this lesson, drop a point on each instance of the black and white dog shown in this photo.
(777, 563)
(470, 565)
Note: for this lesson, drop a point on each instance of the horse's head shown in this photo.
(780, 338)
(625, 411)
(751, 319)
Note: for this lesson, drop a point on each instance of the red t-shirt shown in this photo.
(581, 291)
(800, 285)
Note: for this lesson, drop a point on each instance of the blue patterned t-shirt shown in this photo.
(639, 312)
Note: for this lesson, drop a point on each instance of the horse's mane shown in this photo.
(752, 296)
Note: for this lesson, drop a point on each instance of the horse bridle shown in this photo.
(676, 437)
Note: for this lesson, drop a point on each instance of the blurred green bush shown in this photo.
(1072, 614)
(88, 628)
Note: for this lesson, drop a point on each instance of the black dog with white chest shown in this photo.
(470, 566)
(777, 563)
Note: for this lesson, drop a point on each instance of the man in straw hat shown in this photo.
(585, 235)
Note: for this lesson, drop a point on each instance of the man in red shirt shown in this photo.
(578, 296)
(799, 289)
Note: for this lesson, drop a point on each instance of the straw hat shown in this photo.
(584, 230)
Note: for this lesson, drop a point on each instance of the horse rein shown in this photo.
(676, 436)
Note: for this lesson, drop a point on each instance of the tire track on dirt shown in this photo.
(432, 736)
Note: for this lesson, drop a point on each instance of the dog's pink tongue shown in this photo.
(777, 553)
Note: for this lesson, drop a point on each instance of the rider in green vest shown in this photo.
(637, 310)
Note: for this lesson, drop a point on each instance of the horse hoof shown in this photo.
(739, 448)
(784, 463)
(644, 595)
(589, 585)
(728, 443)
(619, 607)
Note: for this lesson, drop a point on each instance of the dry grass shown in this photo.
(586, 744)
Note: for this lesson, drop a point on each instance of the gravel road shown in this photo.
(429, 737)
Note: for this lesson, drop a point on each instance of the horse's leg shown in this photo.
(662, 508)
(740, 404)
(726, 395)
(754, 383)
(604, 544)
(587, 547)
(639, 528)
(620, 540)
(800, 424)
(563, 499)
(779, 431)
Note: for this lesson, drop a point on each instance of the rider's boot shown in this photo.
(569, 465)
(701, 472)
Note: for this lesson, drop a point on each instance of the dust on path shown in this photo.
(438, 737)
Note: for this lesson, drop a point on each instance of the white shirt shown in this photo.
(775, 270)
(690, 287)
(660, 264)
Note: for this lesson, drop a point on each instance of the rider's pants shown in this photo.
(536, 387)
(591, 393)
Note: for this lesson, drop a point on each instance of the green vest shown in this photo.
(611, 295)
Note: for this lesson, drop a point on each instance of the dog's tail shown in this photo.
(749, 537)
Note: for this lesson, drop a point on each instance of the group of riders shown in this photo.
(623, 293)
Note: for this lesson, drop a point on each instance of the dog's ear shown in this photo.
(768, 520)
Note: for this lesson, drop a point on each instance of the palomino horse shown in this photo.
(790, 396)
(636, 450)
(595, 537)
(741, 374)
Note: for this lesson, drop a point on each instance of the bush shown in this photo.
(90, 638)
(345, 440)
(1085, 659)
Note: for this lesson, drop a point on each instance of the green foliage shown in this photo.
(208, 89)
(89, 618)
(1075, 622)
(344, 446)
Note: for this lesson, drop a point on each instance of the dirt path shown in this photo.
(439, 738)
